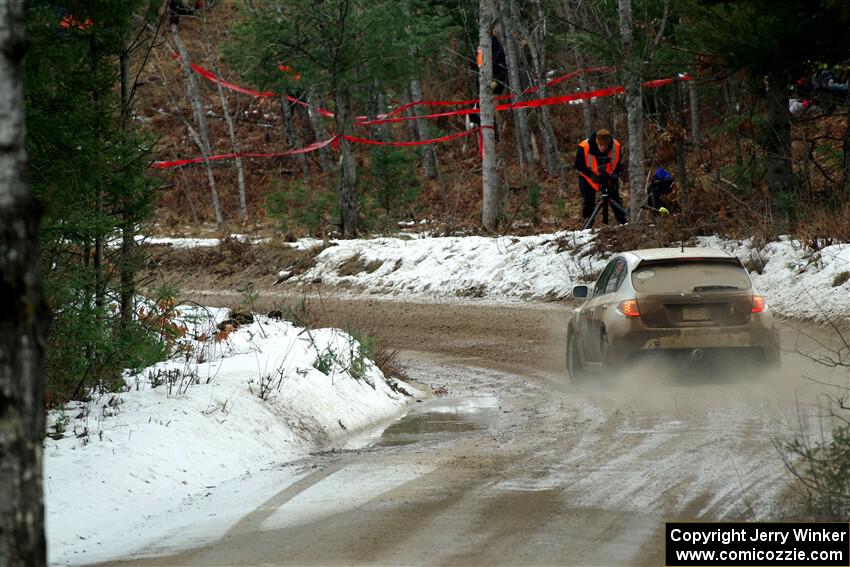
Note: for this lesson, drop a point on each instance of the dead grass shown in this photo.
(357, 265)
(230, 259)
(825, 228)
(840, 278)
(386, 359)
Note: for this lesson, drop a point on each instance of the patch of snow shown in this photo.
(196, 421)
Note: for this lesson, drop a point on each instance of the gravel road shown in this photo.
(515, 465)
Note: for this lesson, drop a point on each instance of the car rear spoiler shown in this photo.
(734, 260)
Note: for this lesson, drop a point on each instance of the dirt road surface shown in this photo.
(515, 465)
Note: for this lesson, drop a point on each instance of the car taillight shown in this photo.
(629, 308)
(758, 304)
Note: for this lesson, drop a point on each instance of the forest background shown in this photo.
(109, 91)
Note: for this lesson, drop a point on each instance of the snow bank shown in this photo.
(198, 420)
(507, 267)
(796, 282)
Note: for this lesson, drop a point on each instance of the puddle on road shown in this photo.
(411, 428)
(437, 418)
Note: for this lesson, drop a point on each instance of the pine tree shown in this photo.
(88, 167)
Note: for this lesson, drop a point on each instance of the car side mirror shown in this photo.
(580, 292)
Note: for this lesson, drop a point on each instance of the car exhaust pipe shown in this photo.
(697, 354)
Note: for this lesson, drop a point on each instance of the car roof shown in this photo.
(679, 252)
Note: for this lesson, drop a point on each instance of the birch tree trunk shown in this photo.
(292, 137)
(429, 155)
(347, 195)
(490, 205)
(693, 94)
(200, 119)
(521, 132)
(634, 110)
(325, 161)
(23, 318)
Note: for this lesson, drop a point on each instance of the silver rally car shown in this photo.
(695, 305)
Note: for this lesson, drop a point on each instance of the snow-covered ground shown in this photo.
(188, 426)
(228, 404)
(798, 283)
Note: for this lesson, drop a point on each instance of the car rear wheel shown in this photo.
(605, 354)
(574, 365)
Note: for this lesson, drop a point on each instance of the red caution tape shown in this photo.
(333, 142)
(363, 120)
(306, 149)
(389, 118)
(450, 137)
(533, 103)
(529, 90)
(251, 92)
(392, 116)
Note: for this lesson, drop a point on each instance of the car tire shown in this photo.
(605, 354)
(575, 369)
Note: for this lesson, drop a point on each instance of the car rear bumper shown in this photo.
(757, 339)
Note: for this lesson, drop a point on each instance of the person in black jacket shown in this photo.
(598, 164)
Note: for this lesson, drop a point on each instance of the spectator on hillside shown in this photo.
(598, 165)
(660, 189)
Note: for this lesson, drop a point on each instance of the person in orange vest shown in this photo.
(598, 163)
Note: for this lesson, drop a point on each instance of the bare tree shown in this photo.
(490, 207)
(347, 194)
(586, 110)
(325, 160)
(776, 141)
(693, 94)
(429, 154)
(292, 137)
(231, 129)
(202, 136)
(846, 148)
(521, 132)
(732, 92)
(234, 142)
(538, 60)
(678, 124)
(23, 321)
(634, 110)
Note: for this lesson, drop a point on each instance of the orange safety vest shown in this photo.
(593, 164)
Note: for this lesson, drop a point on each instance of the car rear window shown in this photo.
(689, 277)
